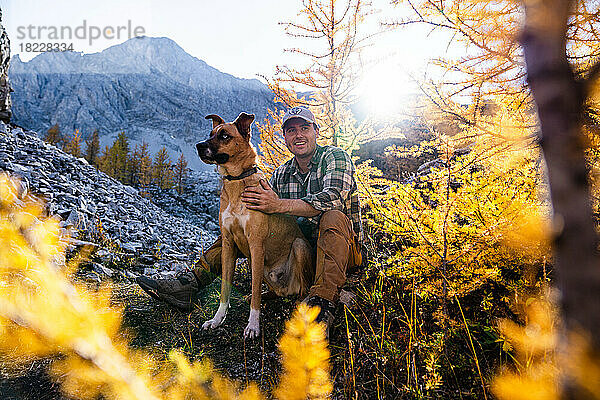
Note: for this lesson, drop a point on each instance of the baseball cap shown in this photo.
(299, 112)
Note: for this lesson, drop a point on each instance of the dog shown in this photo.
(275, 246)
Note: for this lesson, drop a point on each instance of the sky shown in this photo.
(242, 38)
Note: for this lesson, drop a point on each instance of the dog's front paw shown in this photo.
(251, 331)
(212, 324)
(253, 328)
(218, 319)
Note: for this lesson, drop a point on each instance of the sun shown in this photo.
(386, 89)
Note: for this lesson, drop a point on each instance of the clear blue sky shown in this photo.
(239, 37)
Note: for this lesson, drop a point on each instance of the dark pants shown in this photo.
(335, 245)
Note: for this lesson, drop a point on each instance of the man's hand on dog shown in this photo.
(261, 198)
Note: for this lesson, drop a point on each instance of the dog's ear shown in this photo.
(215, 119)
(243, 122)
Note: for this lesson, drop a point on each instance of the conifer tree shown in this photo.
(563, 91)
(492, 70)
(73, 146)
(332, 66)
(162, 170)
(134, 164)
(107, 161)
(144, 168)
(180, 173)
(93, 148)
(54, 136)
(561, 46)
(122, 162)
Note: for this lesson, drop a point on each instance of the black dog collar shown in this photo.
(244, 174)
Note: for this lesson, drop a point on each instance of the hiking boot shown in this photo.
(178, 292)
(326, 315)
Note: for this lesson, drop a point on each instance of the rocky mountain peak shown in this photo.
(147, 87)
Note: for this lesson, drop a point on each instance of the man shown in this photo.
(317, 186)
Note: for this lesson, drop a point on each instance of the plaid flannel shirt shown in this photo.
(329, 185)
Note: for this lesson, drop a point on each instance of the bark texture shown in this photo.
(560, 100)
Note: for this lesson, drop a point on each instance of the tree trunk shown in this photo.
(560, 102)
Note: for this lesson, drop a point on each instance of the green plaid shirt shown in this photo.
(329, 185)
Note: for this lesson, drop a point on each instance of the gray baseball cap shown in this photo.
(299, 112)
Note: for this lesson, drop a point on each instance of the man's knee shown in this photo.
(335, 235)
(334, 219)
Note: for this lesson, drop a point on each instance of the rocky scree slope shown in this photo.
(132, 227)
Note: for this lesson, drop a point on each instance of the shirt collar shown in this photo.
(312, 163)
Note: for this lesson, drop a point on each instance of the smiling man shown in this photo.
(317, 186)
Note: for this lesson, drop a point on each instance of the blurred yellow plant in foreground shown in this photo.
(539, 365)
(44, 314)
(536, 376)
(305, 356)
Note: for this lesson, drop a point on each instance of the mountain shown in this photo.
(148, 87)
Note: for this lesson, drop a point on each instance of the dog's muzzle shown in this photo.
(202, 149)
(207, 155)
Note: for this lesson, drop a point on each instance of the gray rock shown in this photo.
(76, 219)
(5, 87)
(102, 270)
(128, 275)
(132, 247)
(167, 274)
(175, 226)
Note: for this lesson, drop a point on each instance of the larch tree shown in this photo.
(562, 91)
(548, 74)
(54, 136)
(144, 168)
(134, 166)
(121, 153)
(180, 172)
(487, 69)
(92, 148)
(73, 145)
(334, 41)
(162, 170)
(333, 66)
(106, 162)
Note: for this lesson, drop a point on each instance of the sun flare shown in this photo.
(386, 89)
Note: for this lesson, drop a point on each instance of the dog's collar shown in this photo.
(243, 175)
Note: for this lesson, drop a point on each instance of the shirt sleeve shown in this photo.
(273, 183)
(337, 182)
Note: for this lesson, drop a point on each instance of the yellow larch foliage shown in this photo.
(534, 344)
(44, 314)
(539, 365)
(201, 380)
(477, 212)
(305, 358)
(582, 365)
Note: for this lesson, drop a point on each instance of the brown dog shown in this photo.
(273, 243)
